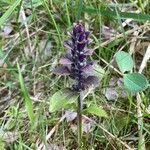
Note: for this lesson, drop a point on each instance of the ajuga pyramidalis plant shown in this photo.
(75, 64)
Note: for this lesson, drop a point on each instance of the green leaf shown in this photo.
(95, 110)
(28, 101)
(124, 61)
(62, 99)
(7, 14)
(123, 15)
(135, 82)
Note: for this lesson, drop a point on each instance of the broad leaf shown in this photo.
(135, 82)
(124, 61)
(95, 110)
(62, 99)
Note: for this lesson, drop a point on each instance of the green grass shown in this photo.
(27, 84)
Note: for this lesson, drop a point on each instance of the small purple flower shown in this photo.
(75, 62)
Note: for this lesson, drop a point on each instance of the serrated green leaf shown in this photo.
(95, 110)
(62, 99)
(124, 61)
(135, 82)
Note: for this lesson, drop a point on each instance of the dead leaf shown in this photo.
(70, 116)
(10, 137)
(86, 125)
(108, 32)
(73, 128)
(113, 81)
(46, 47)
(6, 30)
(120, 82)
(111, 94)
(116, 89)
(55, 147)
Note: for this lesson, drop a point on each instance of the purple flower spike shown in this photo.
(75, 63)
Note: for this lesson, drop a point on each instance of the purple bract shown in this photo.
(75, 62)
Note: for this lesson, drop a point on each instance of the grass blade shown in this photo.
(7, 14)
(123, 15)
(67, 12)
(46, 5)
(79, 9)
(28, 101)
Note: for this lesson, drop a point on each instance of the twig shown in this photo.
(110, 134)
(141, 143)
(133, 42)
(145, 59)
(27, 31)
(139, 102)
(117, 37)
(141, 140)
(111, 66)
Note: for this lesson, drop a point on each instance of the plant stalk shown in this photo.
(79, 119)
(141, 142)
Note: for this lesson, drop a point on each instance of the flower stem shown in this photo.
(79, 118)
